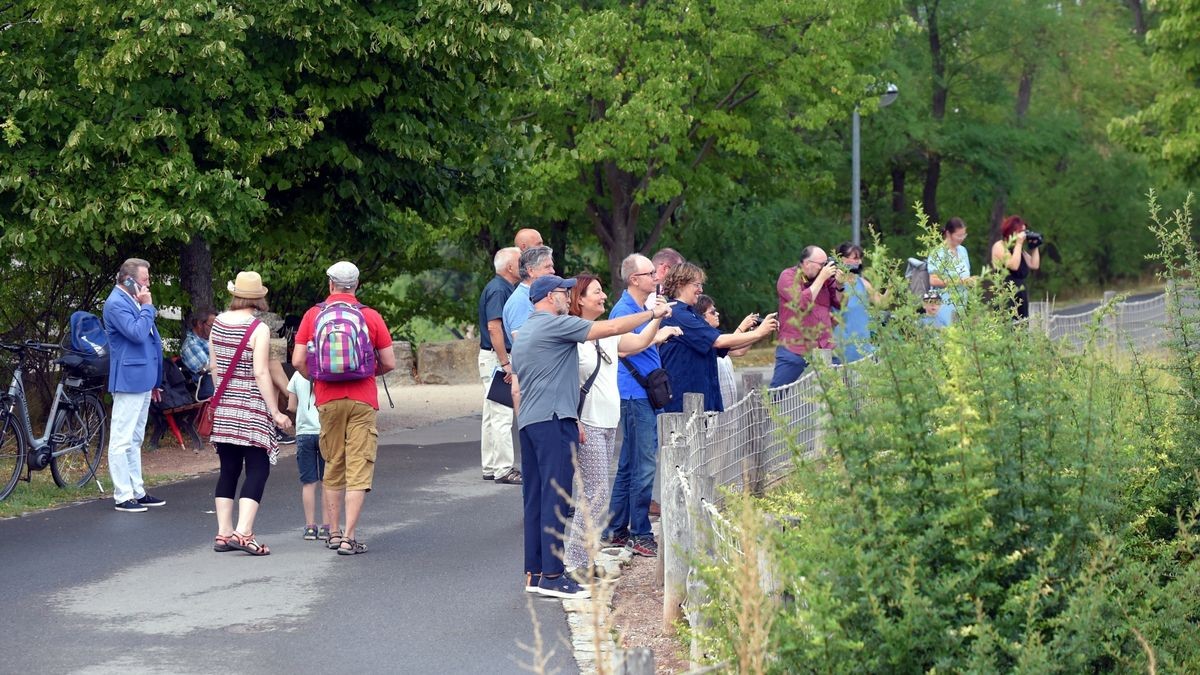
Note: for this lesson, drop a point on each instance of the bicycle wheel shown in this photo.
(12, 453)
(80, 430)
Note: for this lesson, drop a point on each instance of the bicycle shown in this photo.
(75, 431)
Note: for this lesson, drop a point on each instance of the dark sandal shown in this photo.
(247, 543)
(221, 544)
(355, 547)
(330, 543)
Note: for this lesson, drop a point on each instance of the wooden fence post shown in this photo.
(678, 531)
(1112, 321)
(669, 425)
(637, 661)
(673, 552)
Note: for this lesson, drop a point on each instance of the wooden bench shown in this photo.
(181, 421)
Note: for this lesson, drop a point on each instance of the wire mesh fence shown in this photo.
(768, 433)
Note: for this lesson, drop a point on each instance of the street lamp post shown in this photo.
(887, 98)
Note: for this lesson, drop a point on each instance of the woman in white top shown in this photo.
(600, 414)
(950, 270)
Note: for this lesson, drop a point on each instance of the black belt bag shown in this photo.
(657, 384)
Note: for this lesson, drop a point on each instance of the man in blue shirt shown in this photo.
(630, 501)
(496, 444)
(536, 261)
(135, 375)
(194, 353)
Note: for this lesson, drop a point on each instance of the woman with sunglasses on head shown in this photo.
(852, 332)
(599, 415)
(691, 358)
(707, 309)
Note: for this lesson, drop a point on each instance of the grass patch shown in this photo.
(41, 494)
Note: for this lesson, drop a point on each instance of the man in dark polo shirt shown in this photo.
(495, 441)
(546, 358)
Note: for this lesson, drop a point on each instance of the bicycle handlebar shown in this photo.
(31, 345)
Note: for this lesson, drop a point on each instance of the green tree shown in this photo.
(647, 105)
(1016, 125)
(276, 135)
(1165, 129)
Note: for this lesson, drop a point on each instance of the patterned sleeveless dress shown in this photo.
(241, 417)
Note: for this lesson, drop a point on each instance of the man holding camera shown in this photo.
(808, 297)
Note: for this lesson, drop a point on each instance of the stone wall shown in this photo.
(454, 362)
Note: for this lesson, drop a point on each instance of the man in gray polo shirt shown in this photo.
(547, 374)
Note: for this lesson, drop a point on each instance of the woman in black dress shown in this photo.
(1011, 254)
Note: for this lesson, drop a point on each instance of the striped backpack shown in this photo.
(340, 348)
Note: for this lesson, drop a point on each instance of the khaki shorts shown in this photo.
(349, 443)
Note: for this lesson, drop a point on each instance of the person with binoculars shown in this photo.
(1017, 253)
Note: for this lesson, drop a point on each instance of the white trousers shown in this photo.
(496, 442)
(129, 412)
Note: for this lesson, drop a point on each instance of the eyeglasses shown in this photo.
(699, 286)
(642, 274)
(561, 290)
(714, 312)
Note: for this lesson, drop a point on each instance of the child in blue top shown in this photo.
(308, 454)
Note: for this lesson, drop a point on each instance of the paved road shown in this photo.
(1086, 307)
(90, 590)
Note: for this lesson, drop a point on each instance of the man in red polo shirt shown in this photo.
(347, 410)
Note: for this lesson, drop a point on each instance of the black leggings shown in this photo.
(258, 467)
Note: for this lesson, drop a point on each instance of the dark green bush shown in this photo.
(995, 502)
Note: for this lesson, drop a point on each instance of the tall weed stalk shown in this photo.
(991, 500)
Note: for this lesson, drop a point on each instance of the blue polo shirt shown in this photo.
(645, 361)
(691, 359)
(516, 310)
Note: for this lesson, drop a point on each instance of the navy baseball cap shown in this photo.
(542, 286)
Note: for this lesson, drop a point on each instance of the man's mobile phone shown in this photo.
(757, 321)
(658, 289)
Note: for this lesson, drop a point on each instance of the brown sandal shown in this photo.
(355, 547)
(331, 543)
(221, 544)
(247, 543)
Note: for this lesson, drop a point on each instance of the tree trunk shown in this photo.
(558, 242)
(1000, 203)
(1139, 17)
(196, 274)
(940, 94)
(899, 202)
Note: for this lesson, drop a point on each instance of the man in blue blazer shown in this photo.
(134, 377)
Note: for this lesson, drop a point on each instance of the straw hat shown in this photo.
(247, 285)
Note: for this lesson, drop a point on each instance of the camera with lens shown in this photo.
(1033, 239)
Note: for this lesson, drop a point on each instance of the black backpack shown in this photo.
(917, 275)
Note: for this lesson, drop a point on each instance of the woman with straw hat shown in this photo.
(245, 412)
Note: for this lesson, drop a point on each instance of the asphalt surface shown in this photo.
(92, 590)
(1089, 306)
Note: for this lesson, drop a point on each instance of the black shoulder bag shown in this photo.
(587, 386)
(657, 384)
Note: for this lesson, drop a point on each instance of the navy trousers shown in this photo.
(546, 468)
